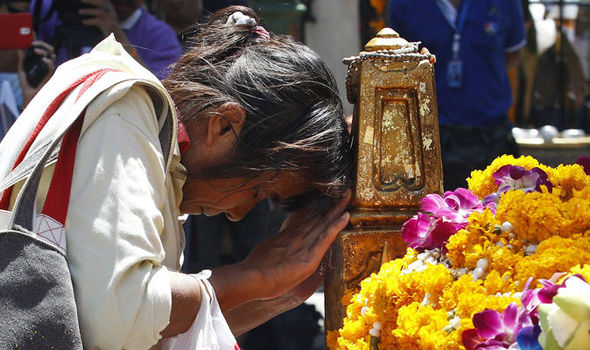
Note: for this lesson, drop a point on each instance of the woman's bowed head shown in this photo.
(264, 118)
(265, 121)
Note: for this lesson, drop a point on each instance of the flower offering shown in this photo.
(504, 264)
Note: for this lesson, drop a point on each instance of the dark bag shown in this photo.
(37, 308)
(37, 305)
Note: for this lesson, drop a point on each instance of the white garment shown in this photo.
(121, 216)
(122, 229)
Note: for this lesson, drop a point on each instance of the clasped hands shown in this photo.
(281, 272)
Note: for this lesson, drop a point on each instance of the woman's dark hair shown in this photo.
(294, 118)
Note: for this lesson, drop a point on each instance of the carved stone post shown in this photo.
(398, 161)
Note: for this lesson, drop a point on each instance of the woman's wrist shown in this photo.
(237, 284)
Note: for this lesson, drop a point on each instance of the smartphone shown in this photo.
(17, 30)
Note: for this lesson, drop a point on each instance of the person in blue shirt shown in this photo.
(475, 43)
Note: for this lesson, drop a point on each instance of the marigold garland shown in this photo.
(428, 298)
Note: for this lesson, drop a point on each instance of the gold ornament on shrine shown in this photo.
(398, 161)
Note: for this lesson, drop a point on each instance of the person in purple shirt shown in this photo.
(149, 40)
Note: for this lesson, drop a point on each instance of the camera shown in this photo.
(34, 67)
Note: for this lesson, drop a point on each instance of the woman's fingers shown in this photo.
(328, 219)
(292, 256)
(314, 234)
(327, 237)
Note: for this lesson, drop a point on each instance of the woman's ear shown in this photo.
(224, 125)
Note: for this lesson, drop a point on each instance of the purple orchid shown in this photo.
(426, 232)
(527, 329)
(529, 301)
(440, 217)
(473, 341)
(550, 288)
(514, 177)
(453, 205)
(495, 330)
(516, 327)
(584, 161)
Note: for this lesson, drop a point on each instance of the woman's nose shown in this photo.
(239, 212)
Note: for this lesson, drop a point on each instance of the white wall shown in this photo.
(334, 35)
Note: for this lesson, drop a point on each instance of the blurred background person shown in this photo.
(74, 27)
(182, 14)
(179, 14)
(559, 84)
(22, 72)
(475, 42)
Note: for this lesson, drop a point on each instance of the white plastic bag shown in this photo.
(209, 330)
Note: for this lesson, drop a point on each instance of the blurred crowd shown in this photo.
(152, 32)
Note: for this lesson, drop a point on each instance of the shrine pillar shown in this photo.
(398, 160)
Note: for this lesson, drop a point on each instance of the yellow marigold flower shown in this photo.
(537, 216)
(582, 269)
(384, 293)
(567, 178)
(576, 213)
(458, 243)
(503, 259)
(480, 225)
(555, 254)
(463, 286)
(479, 240)
(422, 327)
(496, 283)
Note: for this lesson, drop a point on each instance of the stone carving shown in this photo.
(397, 150)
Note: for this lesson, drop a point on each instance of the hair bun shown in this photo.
(239, 19)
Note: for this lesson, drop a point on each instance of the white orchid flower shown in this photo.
(565, 323)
